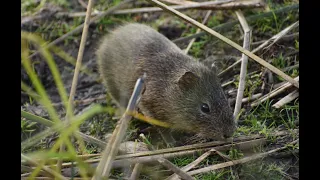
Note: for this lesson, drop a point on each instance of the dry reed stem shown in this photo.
(127, 160)
(167, 163)
(243, 71)
(150, 159)
(153, 9)
(247, 99)
(45, 168)
(268, 43)
(282, 34)
(192, 164)
(228, 25)
(288, 98)
(273, 93)
(80, 27)
(253, 97)
(180, 2)
(239, 161)
(227, 83)
(136, 171)
(83, 4)
(240, 142)
(104, 166)
(205, 19)
(69, 113)
(284, 38)
(223, 5)
(228, 41)
(200, 145)
(175, 169)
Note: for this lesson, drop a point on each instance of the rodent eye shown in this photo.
(205, 108)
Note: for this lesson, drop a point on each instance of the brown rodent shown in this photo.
(179, 90)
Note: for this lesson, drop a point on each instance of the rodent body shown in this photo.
(179, 90)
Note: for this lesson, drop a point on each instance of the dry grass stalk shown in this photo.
(228, 25)
(83, 4)
(247, 99)
(242, 142)
(201, 145)
(69, 113)
(251, 98)
(243, 71)
(150, 159)
(288, 98)
(168, 164)
(198, 30)
(239, 161)
(175, 169)
(130, 159)
(152, 9)
(136, 171)
(268, 43)
(192, 164)
(111, 149)
(228, 41)
(80, 27)
(284, 38)
(273, 93)
(180, 2)
(278, 36)
(45, 168)
(221, 5)
(227, 83)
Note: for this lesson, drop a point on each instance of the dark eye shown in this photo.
(205, 108)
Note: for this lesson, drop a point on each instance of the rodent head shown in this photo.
(205, 107)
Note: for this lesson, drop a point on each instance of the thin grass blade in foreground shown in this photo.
(105, 164)
(50, 171)
(63, 138)
(49, 123)
(69, 113)
(228, 41)
(38, 41)
(45, 100)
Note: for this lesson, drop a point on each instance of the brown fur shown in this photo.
(176, 84)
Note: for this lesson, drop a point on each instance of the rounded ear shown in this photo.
(187, 80)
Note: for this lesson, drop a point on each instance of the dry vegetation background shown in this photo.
(68, 122)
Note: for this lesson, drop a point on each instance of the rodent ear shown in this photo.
(187, 80)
